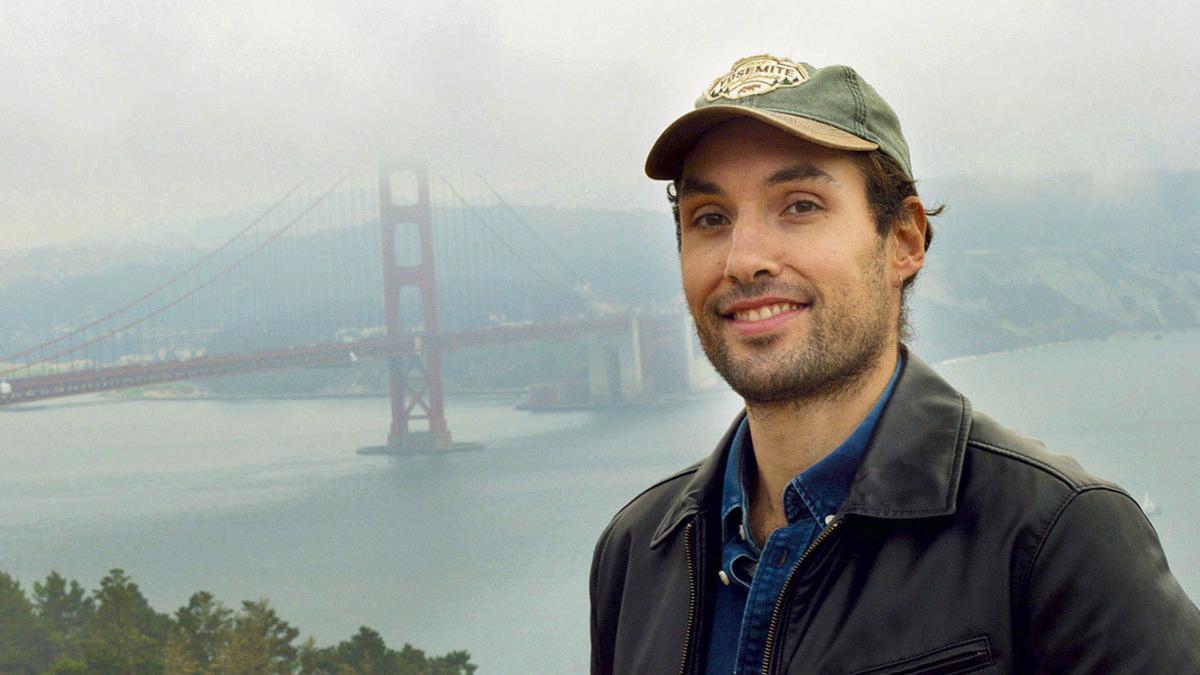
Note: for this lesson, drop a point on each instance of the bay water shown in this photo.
(486, 550)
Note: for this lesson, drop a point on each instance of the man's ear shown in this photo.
(908, 233)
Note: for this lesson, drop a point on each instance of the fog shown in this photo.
(131, 117)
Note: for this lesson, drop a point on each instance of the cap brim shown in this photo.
(665, 158)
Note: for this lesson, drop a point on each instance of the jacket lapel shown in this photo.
(914, 461)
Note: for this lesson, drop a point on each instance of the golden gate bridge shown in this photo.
(403, 271)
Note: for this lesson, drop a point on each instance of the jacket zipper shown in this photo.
(691, 622)
(769, 643)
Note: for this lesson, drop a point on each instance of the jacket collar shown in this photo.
(704, 489)
(911, 469)
(914, 462)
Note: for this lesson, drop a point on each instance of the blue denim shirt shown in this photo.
(753, 575)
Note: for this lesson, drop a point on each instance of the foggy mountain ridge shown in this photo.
(997, 300)
(1053, 258)
(1012, 264)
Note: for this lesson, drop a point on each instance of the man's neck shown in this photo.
(791, 436)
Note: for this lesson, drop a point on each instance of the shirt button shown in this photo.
(828, 519)
(724, 577)
(742, 532)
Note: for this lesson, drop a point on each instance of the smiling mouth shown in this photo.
(765, 312)
(764, 319)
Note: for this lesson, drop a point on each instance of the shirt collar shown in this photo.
(733, 494)
(816, 492)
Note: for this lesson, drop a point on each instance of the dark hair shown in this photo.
(887, 186)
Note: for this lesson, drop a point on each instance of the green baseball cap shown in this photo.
(830, 106)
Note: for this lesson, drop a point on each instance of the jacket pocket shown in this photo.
(960, 657)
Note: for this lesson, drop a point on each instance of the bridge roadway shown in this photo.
(58, 385)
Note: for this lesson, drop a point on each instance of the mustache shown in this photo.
(741, 291)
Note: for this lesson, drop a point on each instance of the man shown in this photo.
(859, 516)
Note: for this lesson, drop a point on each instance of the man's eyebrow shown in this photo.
(800, 171)
(694, 186)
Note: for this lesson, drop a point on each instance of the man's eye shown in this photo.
(802, 207)
(708, 220)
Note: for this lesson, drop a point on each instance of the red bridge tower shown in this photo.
(415, 376)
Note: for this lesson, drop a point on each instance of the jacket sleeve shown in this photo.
(1101, 597)
(604, 601)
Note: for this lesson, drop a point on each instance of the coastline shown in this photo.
(1154, 334)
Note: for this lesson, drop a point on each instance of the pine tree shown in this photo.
(200, 633)
(261, 643)
(66, 610)
(25, 645)
(366, 653)
(125, 635)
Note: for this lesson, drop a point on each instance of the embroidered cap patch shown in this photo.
(756, 75)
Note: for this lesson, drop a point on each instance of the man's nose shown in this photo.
(752, 252)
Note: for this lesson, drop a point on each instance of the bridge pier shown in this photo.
(401, 439)
(653, 357)
(615, 366)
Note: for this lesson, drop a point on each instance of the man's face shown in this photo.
(783, 271)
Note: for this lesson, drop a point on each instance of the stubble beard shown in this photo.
(844, 341)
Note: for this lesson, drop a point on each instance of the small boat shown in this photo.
(1148, 505)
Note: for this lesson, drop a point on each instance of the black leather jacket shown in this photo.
(962, 547)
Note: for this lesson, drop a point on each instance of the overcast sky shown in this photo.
(121, 117)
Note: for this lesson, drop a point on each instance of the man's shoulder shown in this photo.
(1087, 565)
(646, 509)
(1027, 460)
(657, 512)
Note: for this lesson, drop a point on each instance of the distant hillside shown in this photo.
(981, 301)
(1059, 258)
